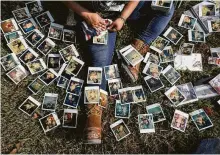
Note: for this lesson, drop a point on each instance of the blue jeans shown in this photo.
(153, 23)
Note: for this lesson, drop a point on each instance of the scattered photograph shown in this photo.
(68, 52)
(171, 74)
(50, 101)
(28, 56)
(34, 37)
(152, 69)
(175, 96)
(17, 74)
(36, 66)
(48, 77)
(55, 31)
(36, 86)
(21, 14)
(173, 35)
(133, 56)
(126, 95)
(167, 55)
(215, 83)
(122, 110)
(44, 19)
(214, 25)
(94, 75)
(69, 36)
(70, 118)
(196, 63)
(53, 61)
(196, 36)
(120, 130)
(9, 25)
(18, 46)
(74, 66)
(215, 52)
(103, 98)
(46, 46)
(162, 3)
(180, 120)
(34, 7)
(146, 123)
(28, 25)
(9, 61)
(92, 95)
(157, 112)
(207, 9)
(75, 86)
(205, 91)
(49, 122)
(214, 61)
(101, 39)
(149, 57)
(29, 106)
(62, 82)
(159, 44)
(111, 72)
(186, 48)
(138, 94)
(71, 100)
(187, 22)
(11, 36)
(63, 72)
(153, 83)
(114, 85)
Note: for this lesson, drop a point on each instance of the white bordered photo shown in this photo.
(17, 74)
(149, 57)
(28, 25)
(164, 5)
(44, 19)
(146, 123)
(196, 36)
(123, 50)
(34, 7)
(205, 91)
(74, 66)
(34, 37)
(187, 21)
(159, 44)
(153, 84)
(68, 52)
(46, 46)
(36, 86)
(70, 118)
(171, 74)
(173, 35)
(91, 95)
(111, 72)
(55, 31)
(157, 112)
(69, 36)
(11, 36)
(9, 25)
(50, 101)
(186, 49)
(152, 69)
(94, 75)
(122, 110)
(18, 46)
(215, 52)
(75, 86)
(114, 85)
(218, 102)
(103, 98)
(49, 122)
(9, 61)
(36, 66)
(214, 61)
(62, 82)
(214, 25)
(138, 94)
(133, 56)
(48, 77)
(175, 96)
(215, 83)
(101, 38)
(125, 95)
(167, 55)
(63, 72)
(180, 120)
(71, 100)
(207, 9)
(53, 61)
(29, 106)
(21, 14)
(201, 119)
(120, 130)
(28, 56)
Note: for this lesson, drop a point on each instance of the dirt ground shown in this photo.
(19, 130)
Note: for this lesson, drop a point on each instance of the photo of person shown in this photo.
(179, 121)
(18, 46)
(103, 99)
(187, 49)
(138, 94)
(215, 83)
(92, 95)
(122, 110)
(133, 56)
(146, 123)
(126, 96)
(69, 118)
(94, 76)
(208, 10)
(111, 72)
(159, 44)
(62, 82)
(34, 7)
(187, 22)
(74, 66)
(9, 62)
(75, 86)
(167, 55)
(34, 37)
(156, 111)
(173, 35)
(196, 36)
(21, 14)
(44, 19)
(36, 66)
(49, 76)
(114, 86)
(171, 74)
(153, 83)
(49, 122)
(36, 86)
(28, 25)
(28, 56)
(151, 58)
(53, 61)
(9, 25)
(68, 52)
(29, 106)
(163, 3)
(55, 31)
(152, 69)
(50, 101)
(120, 130)
(175, 96)
(214, 25)
(11, 36)
(101, 39)
(71, 100)
(69, 36)
(46, 46)
(17, 74)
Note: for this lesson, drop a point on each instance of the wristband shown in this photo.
(123, 19)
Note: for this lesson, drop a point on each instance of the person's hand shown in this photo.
(116, 25)
(94, 20)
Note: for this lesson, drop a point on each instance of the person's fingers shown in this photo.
(102, 26)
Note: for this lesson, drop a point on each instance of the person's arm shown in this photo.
(126, 12)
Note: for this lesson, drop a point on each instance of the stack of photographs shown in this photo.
(28, 25)
(162, 5)
(34, 37)
(92, 95)
(152, 69)
(18, 46)
(122, 110)
(114, 85)
(29, 106)
(34, 7)
(173, 35)
(49, 122)
(205, 91)
(180, 120)
(17, 74)
(171, 74)
(214, 25)
(48, 77)
(36, 86)
(28, 56)
(44, 19)
(36, 66)
(167, 55)
(196, 36)
(68, 52)
(9, 61)
(146, 123)
(111, 72)
(94, 75)
(187, 22)
(21, 14)
(103, 98)
(46, 46)
(159, 44)
(55, 31)
(70, 118)
(102, 38)
(69, 36)
(215, 83)
(157, 112)
(151, 58)
(49, 102)
(11, 36)
(153, 84)
(9, 25)
(53, 61)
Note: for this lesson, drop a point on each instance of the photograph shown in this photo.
(69, 36)
(138, 94)
(9, 25)
(46, 46)
(162, 3)
(187, 21)
(207, 10)
(214, 61)
(180, 120)
(153, 83)
(21, 14)
(74, 66)
(53, 61)
(34, 37)
(75, 86)
(205, 91)
(167, 55)
(215, 83)
(149, 57)
(215, 52)
(18, 46)
(17, 74)
(62, 82)
(175, 96)
(44, 19)
(125, 95)
(186, 48)
(173, 35)
(55, 31)
(34, 7)
(91, 95)
(49, 122)
(214, 25)
(28, 56)
(122, 110)
(28, 25)
(101, 39)
(159, 44)
(94, 75)
(103, 98)
(68, 52)
(11, 36)
(157, 112)
(63, 72)
(120, 130)
(201, 119)
(9, 61)
(70, 118)
(171, 74)
(114, 85)
(196, 36)
(133, 56)
(36, 66)
(71, 100)
(152, 69)
(48, 77)
(111, 72)
(49, 102)
(36, 86)
(146, 123)
(196, 62)
(29, 106)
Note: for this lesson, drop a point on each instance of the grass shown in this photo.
(17, 127)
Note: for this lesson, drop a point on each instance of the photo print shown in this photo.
(187, 22)
(63, 72)
(157, 112)
(214, 25)
(153, 83)
(21, 14)
(101, 39)
(146, 123)
(167, 55)
(179, 121)
(103, 98)
(71, 100)
(50, 101)
(133, 56)
(34, 7)
(215, 52)
(126, 95)
(11, 36)
(214, 61)
(138, 94)
(17, 74)
(44, 19)
(74, 66)
(123, 50)
(111, 72)
(36, 66)
(9, 61)
(34, 37)
(159, 44)
(196, 36)
(186, 48)
(9, 25)
(205, 91)
(114, 85)
(28, 56)
(175, 96)
(46, 46)
(149, 57)
(70, 118)
(49, 76)
(94, 75)
(162, 5)
(120, 130)
(207, 9)
(68, 52)
(28, 25)
(171, 74)
(215, 83)
(55, 31)
(173, 35)
(36, 86)
(53, 61)
(92, 95)
(75, 86)
(69, 36)
(62, 82)
(29, 106)
(122, 110)
(49, 122)
(152, 69)
(18, 46)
